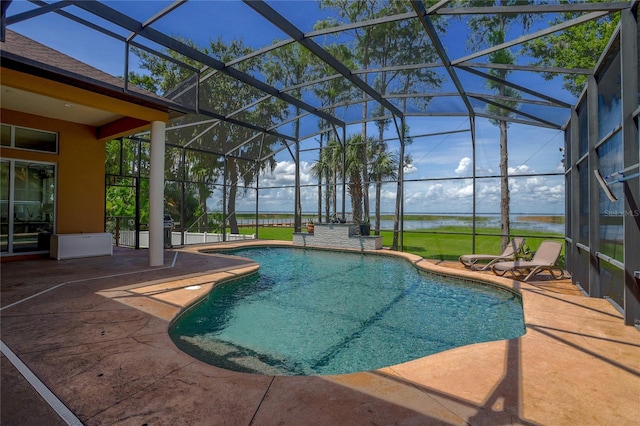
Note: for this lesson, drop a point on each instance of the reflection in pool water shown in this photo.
(312, 312)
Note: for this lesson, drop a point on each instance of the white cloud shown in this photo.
(387, 194)
(484, 171)
(409, 169)
(488, 193)
(465, 191)
(534, 181)
(522, 169)
(436, 196)
(435, 191)
(559, 167)
(464, 166)
(285, 174)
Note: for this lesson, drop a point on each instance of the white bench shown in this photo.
(71, 246)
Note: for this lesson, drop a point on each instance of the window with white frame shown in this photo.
(29, 139)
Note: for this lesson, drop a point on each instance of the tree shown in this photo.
(382, 45)
(289, 66)
(496, 36)
(384, 166)
(164, 76)
(490, 30)
(355, 145)
(329, 165)
(355, 11)
(214, 147)
(235, 143)
(330, 92)
(176, 204)
(576, 47)
(126, 166)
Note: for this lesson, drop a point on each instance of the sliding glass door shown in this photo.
(27, 198)
(5, 184)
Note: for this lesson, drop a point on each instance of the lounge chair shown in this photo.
(543, 260)
(481, 262)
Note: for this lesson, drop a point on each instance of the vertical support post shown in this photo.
(631, 154)
(258, 169)
(224, 200)
(594, 190)
(11, 198)
(257, 194)
(138, 192)
(344, 172)
(3, 31)
(472, 121)
(156, 194)
(398, 218)
(183, 194)
(320, 177)
(126, 66)
(401, 184)
(573, 197)
(297, 221)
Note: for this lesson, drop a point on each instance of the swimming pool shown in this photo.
(315, 312)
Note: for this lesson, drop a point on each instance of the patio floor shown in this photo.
(94, 332)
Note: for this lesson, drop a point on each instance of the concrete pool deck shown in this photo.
(94, 332)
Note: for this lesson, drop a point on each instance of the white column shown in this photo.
(156, 194)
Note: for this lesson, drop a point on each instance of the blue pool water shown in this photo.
(317, 312)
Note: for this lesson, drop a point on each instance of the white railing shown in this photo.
(128, 238)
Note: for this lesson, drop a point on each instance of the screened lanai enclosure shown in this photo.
(431, 120)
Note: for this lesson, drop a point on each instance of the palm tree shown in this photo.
(356, 144)
(330, 92)
(382, 45)
(329, 165)
(365, 38)
(384, 166)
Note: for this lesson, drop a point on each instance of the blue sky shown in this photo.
(531, 149)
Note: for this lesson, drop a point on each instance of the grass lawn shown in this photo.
(444, 243)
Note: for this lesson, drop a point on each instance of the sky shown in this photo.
(531, 149)
(450, 156)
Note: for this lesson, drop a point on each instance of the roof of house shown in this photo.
(23, 54)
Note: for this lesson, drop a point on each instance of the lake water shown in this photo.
(485, 222)
(519, 222)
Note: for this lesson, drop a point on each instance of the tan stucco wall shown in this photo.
(80, 170)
